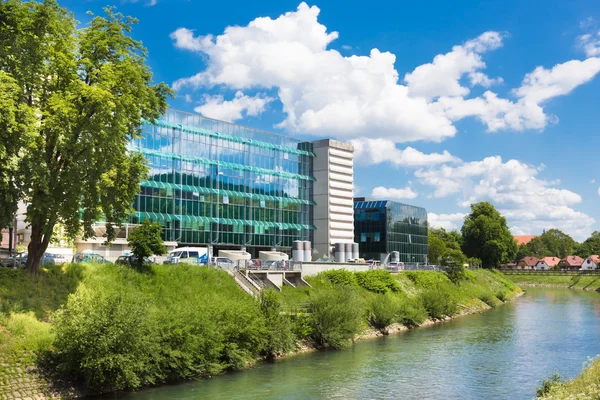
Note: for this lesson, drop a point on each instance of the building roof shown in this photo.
(573, 261)
(595, 258)
(530, 261)
(551, 261)
(524, 239)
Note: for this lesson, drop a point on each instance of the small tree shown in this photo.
(454, 261)
(146, 240)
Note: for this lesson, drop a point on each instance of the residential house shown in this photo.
(551, 261)
(591, 263)
(527, 262)
(523, 239)
(571, 262)
(542, 266)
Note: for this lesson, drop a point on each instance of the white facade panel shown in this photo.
(335, 153)
(348, 187)
(341, 169)
(341, 210)
(342, 178)
(342, 201)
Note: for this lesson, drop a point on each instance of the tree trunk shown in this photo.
(37, 247)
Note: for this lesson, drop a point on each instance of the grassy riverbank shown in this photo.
(584, 282)
(585, 387)
(107, 327)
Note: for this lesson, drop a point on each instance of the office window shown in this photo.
(376, 237)
(363, 237)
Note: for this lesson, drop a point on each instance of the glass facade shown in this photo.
(213, 182)
(381, 227)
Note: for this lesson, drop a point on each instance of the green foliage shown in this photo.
(377, 281)
(72, 98)
(280, 338)
(502, 295)
(382, 311)
(123, 329)
(428, 279)
(558, 243)
(435, 248)
(453, 261)
(487, 237)
(336, 316)
(146, 240)
(438, 304)
(547, 384)
(23, 331)
(590, 246)
(411, 312)
(452, 239)
(340, 277)
(488, 299)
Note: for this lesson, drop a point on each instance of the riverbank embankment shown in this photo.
(105, 328)
(581, 282)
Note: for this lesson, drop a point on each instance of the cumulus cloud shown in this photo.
(349, 97)
(381, 192)
(530, 203)
(442, 76)
(446, 221)
(232, 110)
(374, 151)
(590, 43)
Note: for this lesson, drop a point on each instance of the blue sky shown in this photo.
(459, 102)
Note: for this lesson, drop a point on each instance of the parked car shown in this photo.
(58, 258)
(223, 262)
(130, 260)
(89, 257)
(21, 259)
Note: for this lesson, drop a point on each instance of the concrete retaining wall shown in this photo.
(313, 268)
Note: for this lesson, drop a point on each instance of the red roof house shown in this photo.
(524, 239)
(551, 261)
(571, 262)
(592, 262)
(527, 262)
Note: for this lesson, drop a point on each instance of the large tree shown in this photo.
(558, 243)
(487, 237)
(77, 97)
(591, 246)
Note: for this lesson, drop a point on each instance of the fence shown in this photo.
(550, 272)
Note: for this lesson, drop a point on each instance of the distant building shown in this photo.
(527, 263)
(523, 239)
(383, 226)
(551, 261)
(541, 265)
(571, 262)
(591, 263)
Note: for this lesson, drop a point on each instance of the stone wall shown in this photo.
(21, 379)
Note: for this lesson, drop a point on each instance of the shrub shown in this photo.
(378, 281)
(438, 304)
(428, 279)
(336, 316)
(340, 277)
(382, 311)
(502, 295)
(279, 338)
(488, 299)
(548, 384)
(411, 313)
(106, 341)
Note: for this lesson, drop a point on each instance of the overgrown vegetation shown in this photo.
(111, 327)
(586, 386)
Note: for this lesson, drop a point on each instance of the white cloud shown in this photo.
(441, 77)
(381, 192)
(349, 97)
(232, 110)
(346, 47)
(187, 98)
(374, 151)
(149, 3)
(599, 191)
(529, 203)
(446, 221)
(590, 43)
(592, 180)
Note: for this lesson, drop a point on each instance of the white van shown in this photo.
(188, 255)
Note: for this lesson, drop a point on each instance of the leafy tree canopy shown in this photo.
(146, 240)
(558, 243)
(453, 261)
(486, 236)
(71, 99)
(590, 246)
(452, 239)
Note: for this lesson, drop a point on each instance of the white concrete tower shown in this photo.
(333, 191)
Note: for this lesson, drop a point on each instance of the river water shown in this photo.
(500, 354)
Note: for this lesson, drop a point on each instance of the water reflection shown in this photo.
(501, 354)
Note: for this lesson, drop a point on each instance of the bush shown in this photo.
(382, 311)
(502, 295)
(488, 299)
(340, 277)
(411, 313)
(548, 384)
(428, 279)
(377, 281)
(438, 304)
(336, 316)
(279, 338)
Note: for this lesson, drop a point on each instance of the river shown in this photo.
(500, 354)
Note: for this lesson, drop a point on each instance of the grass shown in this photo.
(585, 386)
(587, 282)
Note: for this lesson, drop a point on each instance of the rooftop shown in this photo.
(524, 239)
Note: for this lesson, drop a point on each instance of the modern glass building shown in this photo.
(381, 227)
(225, 185)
